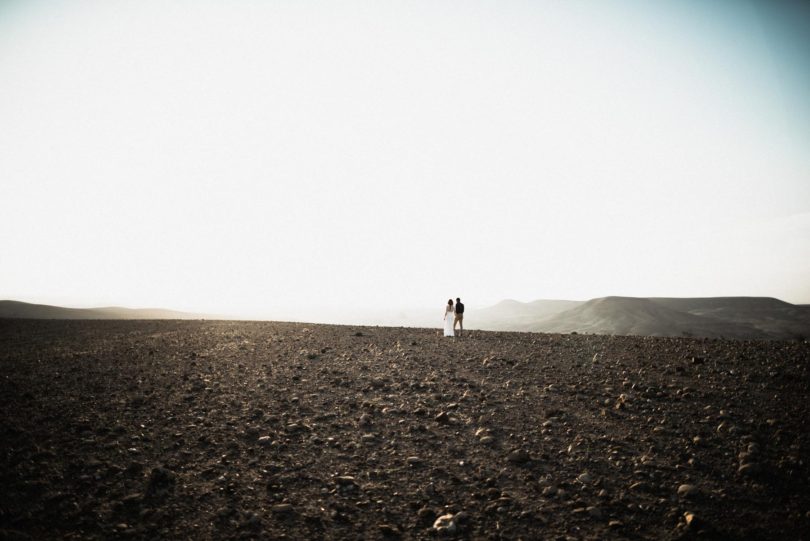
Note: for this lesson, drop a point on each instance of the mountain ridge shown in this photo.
(702, 317)
(706, 317)
(25, 310)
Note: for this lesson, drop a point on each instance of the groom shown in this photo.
(459, 317)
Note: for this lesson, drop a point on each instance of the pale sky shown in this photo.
(294, 159)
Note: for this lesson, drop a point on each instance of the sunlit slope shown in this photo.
(638, 316)
(511, 315)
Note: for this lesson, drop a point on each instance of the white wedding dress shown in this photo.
(449, 317)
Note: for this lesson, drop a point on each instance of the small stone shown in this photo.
(518, 456)
(132, 499)
(687, 491)
(615, 524)
(688, 518)
(487, 440)
(549, 491)
(595, 512)
(750, 469)
(694, 522)
(413, 460)
(264, 440)
(282, 508)
(461, 518)
(389, 531)
(445, 524)
(585, 478)
(345, 480)
(426, 515)
(442, 418)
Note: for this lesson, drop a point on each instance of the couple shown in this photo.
(452, 316)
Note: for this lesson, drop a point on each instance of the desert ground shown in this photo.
(259, 430)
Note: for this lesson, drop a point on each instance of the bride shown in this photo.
(449, 315)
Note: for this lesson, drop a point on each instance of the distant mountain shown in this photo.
(777, 318)
(511, 315)
(729, 317)
(17, 309)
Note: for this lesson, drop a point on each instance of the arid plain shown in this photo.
(243, 430)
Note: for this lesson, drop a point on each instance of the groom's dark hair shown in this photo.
(458, 300)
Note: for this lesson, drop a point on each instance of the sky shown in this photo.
(308, 160)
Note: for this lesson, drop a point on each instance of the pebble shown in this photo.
(282, 508)
(445, 524)
(132, 499)
(426, 515)
(749, 469)
(345, 480)
(413, 460)
(687, 491)
(585, 478)
(693, 521)
(518, 456)
(389, 531)
(442, 418)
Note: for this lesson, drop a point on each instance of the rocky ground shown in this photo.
(222, 430)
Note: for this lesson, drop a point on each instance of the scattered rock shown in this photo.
(389, 531)
(445, 524)
(426, 515)
(282, 508)
(442, 418)
(585, 478)
(751, 469)
(687, 491)
(518, 456)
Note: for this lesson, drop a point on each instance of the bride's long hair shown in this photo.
(449, 302)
